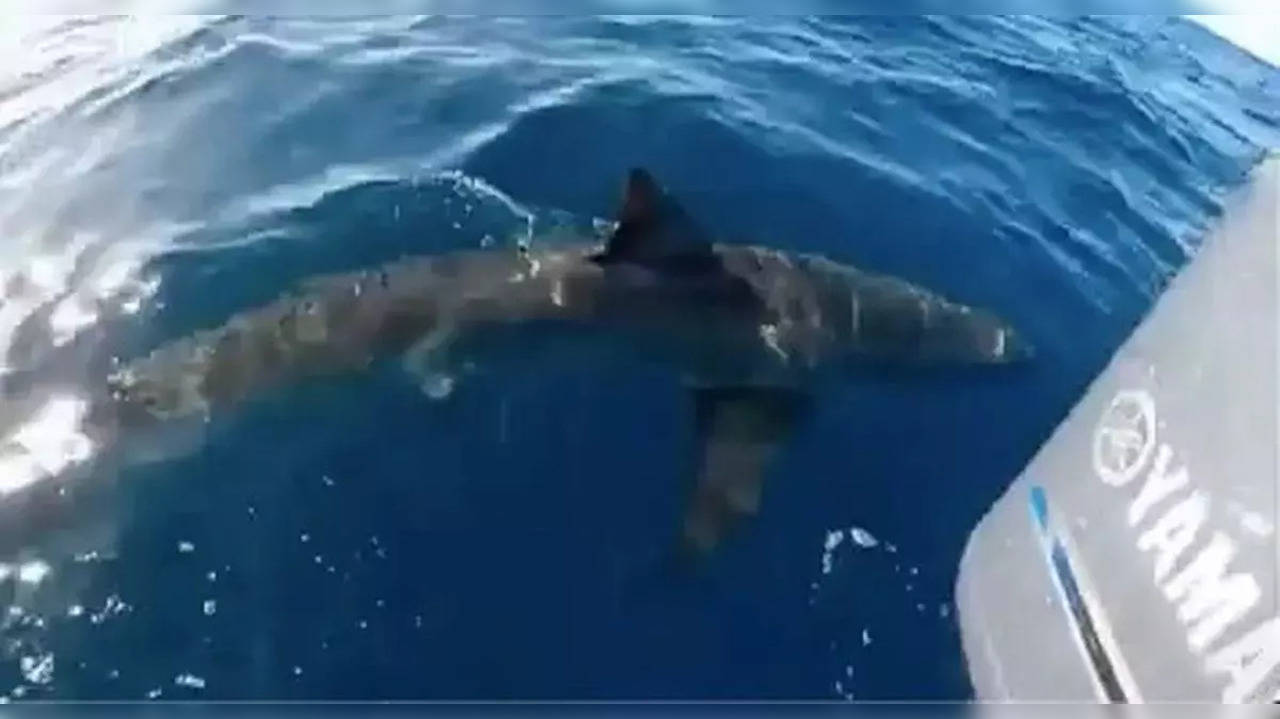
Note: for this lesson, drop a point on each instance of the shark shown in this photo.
(749, 330)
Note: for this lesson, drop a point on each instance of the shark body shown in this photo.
(747, 328)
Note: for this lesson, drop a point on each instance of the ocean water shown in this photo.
(353, 539)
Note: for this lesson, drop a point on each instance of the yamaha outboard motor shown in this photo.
(1135, 557)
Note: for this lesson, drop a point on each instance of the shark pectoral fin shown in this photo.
(427, 362)
(739, 431)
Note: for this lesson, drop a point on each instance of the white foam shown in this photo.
(51, 439)
(32, 284)
(79, 290)
(106, 52)
(70, 317)
(307, 192)
(48, 443)
(112, 607)
(81, 66)
(483, 188)
(37, 669)
(862, 537)
(33, 572)
(834, 537)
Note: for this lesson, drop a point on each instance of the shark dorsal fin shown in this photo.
(654, 229)
(640, 198)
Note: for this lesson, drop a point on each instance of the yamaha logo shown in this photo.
(1125, 437)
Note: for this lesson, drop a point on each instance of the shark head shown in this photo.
(860, 316)
(965, 335)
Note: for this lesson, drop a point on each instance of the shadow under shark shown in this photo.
(748, 329)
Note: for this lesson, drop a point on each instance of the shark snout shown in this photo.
(975, 336)
(1010, 346)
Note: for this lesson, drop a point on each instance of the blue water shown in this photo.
(352, 539)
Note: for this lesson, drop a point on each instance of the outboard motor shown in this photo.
(1135, 558)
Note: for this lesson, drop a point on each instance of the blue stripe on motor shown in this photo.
(1060, 565)
(1040, 508)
